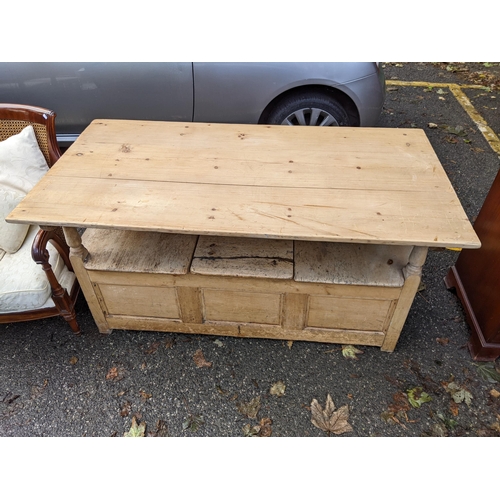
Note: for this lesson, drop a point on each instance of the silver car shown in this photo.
(324, 94)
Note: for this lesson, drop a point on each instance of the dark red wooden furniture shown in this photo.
(476, 279)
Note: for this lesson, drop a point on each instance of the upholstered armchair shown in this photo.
(36, 276)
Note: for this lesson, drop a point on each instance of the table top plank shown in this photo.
(363, 185)
(365, 158)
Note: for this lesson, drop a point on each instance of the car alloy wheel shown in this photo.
(312, 117)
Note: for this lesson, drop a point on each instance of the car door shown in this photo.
(80, 92)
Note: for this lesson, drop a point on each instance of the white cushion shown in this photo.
(24, 285)
(11, 235)
(22, 164)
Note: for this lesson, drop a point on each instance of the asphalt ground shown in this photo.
(54, 383)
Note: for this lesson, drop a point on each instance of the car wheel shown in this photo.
(309, 109)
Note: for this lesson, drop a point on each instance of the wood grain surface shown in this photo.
(367, 185)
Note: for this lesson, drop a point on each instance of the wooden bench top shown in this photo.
(366, 185)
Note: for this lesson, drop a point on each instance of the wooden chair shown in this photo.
(13, 119)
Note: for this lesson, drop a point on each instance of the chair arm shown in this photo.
(40, 255)
(39, 250)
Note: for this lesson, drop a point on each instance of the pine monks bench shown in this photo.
(292, 233)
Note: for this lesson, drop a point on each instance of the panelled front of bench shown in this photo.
(246, 287)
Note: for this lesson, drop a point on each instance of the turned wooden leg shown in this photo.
(412, 274)
(78, 254)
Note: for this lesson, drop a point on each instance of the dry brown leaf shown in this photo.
(328, 419)
(73, 360)
(200, 360)
(495, 393)
(153, 347)
(161, 430)
(144, 395)
(278, 389)
(250, 409)
(112, 373)
(289, 344)
(442, 340)
(263, 429)
(454, 408)
(400, 404)
(127, 406)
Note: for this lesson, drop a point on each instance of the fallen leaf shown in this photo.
(263, 429)
(417, 397)
(454, 408)
(153, 347)
(126, 408)
(328, 419)
(290, 344)
(112, 373)
(200, 360)
(441, 91)
(488, 372)
(193, 422)
(73, 360)
(349, 351)
(439, 430)
(495, 393)
(218, 343)
(250, 409)
(458, 130)
(278, 389)
(144, 395)
(495, 426)
(458, 393)
(448, 422)
(160, 431)
(249, 431)
(442, 341)
(400, 403)
(169, 343)
(136, 430)
(432, 125)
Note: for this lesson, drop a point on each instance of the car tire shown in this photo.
(309, 109)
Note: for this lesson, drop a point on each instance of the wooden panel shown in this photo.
(294, 311)
(413, 203)
(227, 153)
(140, 301)
(394, 217)
(190, 304)
(347, 313)
(401, 312)
(253, 285)
(350, 263)
(247, 330)
(223, 305)
(140, 252)
(250, 257)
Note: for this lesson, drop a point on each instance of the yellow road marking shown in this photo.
(464, 101)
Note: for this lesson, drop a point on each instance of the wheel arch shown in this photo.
(331, 92)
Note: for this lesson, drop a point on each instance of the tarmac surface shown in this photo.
(55, 383)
